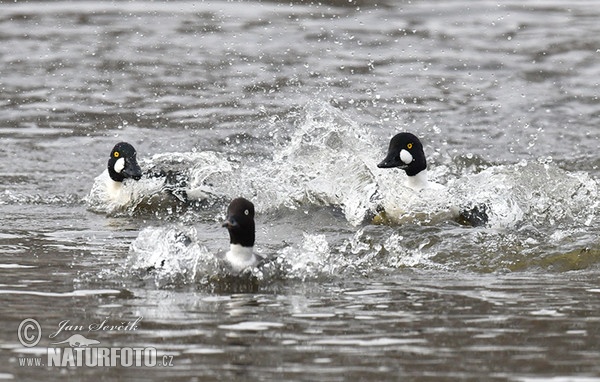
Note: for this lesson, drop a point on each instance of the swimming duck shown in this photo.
(406, 152)
(240, 224)
(175, 249)
(161, 186)
(111, 188)
(123, 164)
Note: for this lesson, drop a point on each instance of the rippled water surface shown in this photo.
(291, 105)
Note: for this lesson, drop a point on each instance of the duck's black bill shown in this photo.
(391, 163)
(230, 223)
(132, 170)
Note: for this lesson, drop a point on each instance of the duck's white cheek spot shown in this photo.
(119, 165)
(406, 157)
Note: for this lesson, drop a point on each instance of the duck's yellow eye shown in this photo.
(409, 146)
(246, 212)
(116, 154)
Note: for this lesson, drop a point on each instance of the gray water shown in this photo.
(294, 103)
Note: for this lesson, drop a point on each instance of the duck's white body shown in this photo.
(111, 189)
(420, 182)
(417, 200)
(106, 194)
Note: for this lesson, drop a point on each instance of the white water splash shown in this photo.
(107, 196)
(171, 255)
(202, 175)
(327, 162)
(330, 161)
(539, 194)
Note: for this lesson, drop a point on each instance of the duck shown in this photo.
(242, 232)
(124, 186)
(405, 151)
(112, 188)
(175, 249)
(123, 164)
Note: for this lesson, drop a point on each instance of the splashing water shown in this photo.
(171, 255)
(195, 173)
(532, 193)
(114, 198)
(329, 160)
(326, 163)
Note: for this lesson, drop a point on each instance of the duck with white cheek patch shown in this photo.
(113, 189)
(122, 186)
(123, 164)
(406, 152)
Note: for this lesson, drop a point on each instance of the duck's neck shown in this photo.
(113, 188)
(240, 257)
(419, 181)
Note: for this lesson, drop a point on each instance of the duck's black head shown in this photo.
(405, 152)
(240, 222)
(123, 163)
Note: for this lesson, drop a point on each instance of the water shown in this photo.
(292, 105)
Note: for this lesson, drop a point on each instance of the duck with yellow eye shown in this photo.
(123, 163)
(163, 186)
(114, 189)
(406, 152)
